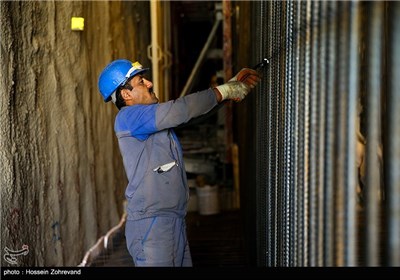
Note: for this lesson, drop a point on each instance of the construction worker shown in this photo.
(157, 192)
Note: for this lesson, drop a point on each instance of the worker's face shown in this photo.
(142, 91)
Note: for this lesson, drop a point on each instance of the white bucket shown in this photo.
(207, 200)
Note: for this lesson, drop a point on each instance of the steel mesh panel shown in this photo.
(322, 67)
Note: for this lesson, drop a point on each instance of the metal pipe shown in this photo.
(202, 55)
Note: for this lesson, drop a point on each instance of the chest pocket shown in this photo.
(165, 167)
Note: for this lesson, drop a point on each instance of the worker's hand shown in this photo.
(240, 85)
(248, 76)
(233, 90)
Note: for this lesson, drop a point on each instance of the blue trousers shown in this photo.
(158, 241)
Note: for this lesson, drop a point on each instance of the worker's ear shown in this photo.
(125, 94)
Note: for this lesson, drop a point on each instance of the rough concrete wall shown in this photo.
(62, 180)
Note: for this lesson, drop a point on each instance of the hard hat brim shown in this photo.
(134, 73)
(138, 71)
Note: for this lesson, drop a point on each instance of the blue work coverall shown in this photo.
(157, 192)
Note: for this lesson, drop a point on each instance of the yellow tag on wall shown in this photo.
(77, 23)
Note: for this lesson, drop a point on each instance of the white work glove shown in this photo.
(240, 85)
(234, 90)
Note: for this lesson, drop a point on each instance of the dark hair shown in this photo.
(120, 102)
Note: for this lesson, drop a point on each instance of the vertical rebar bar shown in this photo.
(351, 129)
(306, 134)
(393, 147)
(288, 171)
(372, 180)
(273, 136)
(263, 206)
(313, 132)
(330, 74)
(341, 133)
(322, 66)
(268, 37)
(299, 135)
(294, 122)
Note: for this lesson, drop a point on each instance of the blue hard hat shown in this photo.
(116, 74)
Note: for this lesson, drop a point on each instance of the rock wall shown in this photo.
(62, 179)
